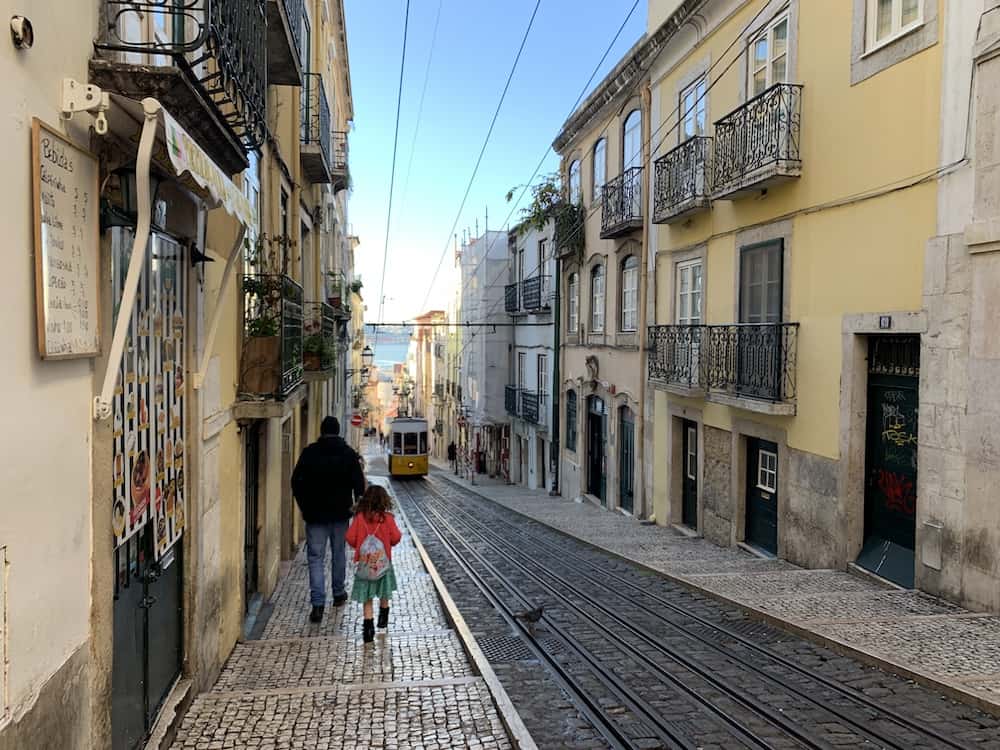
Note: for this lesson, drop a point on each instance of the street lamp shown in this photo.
(367, 357)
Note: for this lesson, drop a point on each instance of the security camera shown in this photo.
(21, 32)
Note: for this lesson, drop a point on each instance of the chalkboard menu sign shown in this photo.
(67, 250)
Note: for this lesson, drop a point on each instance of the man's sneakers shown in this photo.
(316, 615)
(340, 600)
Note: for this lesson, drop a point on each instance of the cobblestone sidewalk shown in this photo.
(317, 687)
(906, 632)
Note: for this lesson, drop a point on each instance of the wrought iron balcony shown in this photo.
(284, 42)
(757, 145)
(320, 343)
(271, 364)
(535, 293)
(742, 360)
(530, 402)
(204, 59)
(621, 207)
(682, 180)
(339, 171)
(511, 400)
(439, 390)
(315, 155)
(569, 231)
(511, 302)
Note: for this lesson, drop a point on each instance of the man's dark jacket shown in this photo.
(327, 479)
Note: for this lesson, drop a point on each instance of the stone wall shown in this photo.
(717, 518)
(811, 530)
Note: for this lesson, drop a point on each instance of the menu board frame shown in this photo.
(90, 242)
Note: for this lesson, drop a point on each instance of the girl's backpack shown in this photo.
(373, 562)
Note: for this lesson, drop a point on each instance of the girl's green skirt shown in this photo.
(364, 590)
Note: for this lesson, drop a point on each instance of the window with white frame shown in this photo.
(767, 471)
(630, 294)
(768, 53)
(692, 453)
(573, 307)
(575, 193)
(522, 369)
(597, 299)
(600, 166)
(888, 19)
(693, 109)
(689, 285)
(632, 140)
(543, 374)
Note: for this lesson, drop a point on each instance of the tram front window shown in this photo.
(397, 443)
(410, 443)
(423, 442)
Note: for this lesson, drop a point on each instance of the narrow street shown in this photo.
(649, 664)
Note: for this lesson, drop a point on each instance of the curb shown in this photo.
(517, 731)
(951, 690)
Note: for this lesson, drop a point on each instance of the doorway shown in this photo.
(891, 458)
(762, 495)
(626, 459)
(596, 438)
(689, 481)
(251, 562)
(540, 463)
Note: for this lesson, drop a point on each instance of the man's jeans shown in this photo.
(316, 536)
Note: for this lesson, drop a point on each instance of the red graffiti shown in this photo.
(898, 491)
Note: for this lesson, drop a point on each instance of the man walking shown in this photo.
(327, 480)
(453, 455)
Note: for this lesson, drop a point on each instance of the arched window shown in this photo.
(600, 166)
(632, 140)
(571, 421)
(575, 194)
(597, 299)
(630, 294)
(573, 306)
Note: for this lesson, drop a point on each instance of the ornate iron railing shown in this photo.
(511, 303)
(320, 331)
(762, 133)
(339, 159)
(568, 229)
(682, 178)
(219, 45)
(272, 319)
(294, 10)
(529, 406)
(315, 111)
(621, 207)
(510, 399)
(748, 360)
(535, 292)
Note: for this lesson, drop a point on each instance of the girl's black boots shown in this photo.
(383, 618)
(368, 631)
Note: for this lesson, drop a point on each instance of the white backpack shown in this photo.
(373, 562)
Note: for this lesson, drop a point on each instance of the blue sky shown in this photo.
(474, 50)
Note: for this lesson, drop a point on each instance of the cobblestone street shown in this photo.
(317, 687)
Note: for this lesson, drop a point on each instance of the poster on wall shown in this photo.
(149, 446)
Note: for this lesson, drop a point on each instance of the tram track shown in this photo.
(871, 723)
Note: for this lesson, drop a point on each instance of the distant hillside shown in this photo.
(389, 334)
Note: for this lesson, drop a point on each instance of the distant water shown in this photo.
(386, 355)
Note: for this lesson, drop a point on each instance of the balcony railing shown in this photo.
(758, 144)
(272, 335)
(569, 234)
(336, 294)
(206, 60)
(535, 293)
(511, 303)
(284, 42)
(320, 344)
(339, 171)
(529, 406)
(682, 180)
(314, 151)
(511, 400)
(744, 360)
(621, 208)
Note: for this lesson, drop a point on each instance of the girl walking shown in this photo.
(373, 533)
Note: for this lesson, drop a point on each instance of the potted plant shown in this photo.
(318, 352)
(356, 285)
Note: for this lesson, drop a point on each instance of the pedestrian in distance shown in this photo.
(453, 455)
(373, 534)
(327, 479)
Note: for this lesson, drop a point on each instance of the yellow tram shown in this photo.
(408, 447)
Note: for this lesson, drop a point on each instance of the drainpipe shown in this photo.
(556, 388)
(643, 276)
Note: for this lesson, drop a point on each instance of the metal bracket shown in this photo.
(82, 97)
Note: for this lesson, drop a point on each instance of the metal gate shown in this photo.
(252, 503)
(596, 435)
(891, 457)
(148, 514)
(626, 459)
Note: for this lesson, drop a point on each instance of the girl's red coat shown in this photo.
(362, 525)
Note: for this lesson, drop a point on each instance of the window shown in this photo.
(888, 19)
(522, 369)
(693, 109)
(423, 442)
(575, 194)
(760, 283)
(397, 443)
(306, 41)
(600, 166)
(689, 281)
(632, 140)
(543, 374)
(767, 471)
(692, 453)
(571, 421)
(409, 443)
(573, 308)
(630, 294)
(769, 56)
(597, 299)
